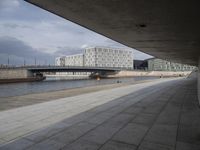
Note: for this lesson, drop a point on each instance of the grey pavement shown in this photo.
(159, 115)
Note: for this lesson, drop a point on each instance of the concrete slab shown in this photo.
(145, 119)
(134, 110)
(189, 134)
(114, 145)
(187, 146)
(71, 134)
(145, 145)
(131, 134)
(43, 134)
(18, 145)
(100, 118)
(101, 134)
(46, 145)
(162, 134)
(82, 145)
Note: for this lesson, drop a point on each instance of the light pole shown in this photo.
(8, 60)
(35, 61)
(24, 62)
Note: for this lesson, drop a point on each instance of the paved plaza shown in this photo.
(158, 115)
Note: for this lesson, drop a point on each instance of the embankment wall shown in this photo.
(150, 73)
(14, 73)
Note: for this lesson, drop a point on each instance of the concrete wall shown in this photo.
(14, 73)
(198, 78)
(150, 73)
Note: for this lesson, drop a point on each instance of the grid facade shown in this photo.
(156, 64)
(71, 60)
(74, 60)
(99, 57)
(108, 57)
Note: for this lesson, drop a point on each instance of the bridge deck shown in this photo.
(160, 115)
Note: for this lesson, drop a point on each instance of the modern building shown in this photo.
(74, 60)
(71, 60)
(57, 61)
(99, 57)
(155, 64)
(140, 64)
(108, 57)
(60, 61)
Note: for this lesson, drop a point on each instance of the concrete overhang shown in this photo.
(168, 29)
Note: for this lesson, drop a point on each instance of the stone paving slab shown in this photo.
(145, 119)
(131, 134)
(162, 134)
(146, 145)
(74, 132)
(114, 145)
(82, 145)
(187, 146)
(150, 116)
(18, 145)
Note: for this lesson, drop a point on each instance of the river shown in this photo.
(54, 84)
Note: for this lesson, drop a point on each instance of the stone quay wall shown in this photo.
(14, 73)
(151, 73)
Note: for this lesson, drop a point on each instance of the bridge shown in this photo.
(30, 71)
(70, 69)
(95, 71)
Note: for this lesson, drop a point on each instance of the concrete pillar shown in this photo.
(198, 76)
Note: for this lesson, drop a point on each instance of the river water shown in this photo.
(54, 84)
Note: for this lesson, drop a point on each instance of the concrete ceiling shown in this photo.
(168, 29)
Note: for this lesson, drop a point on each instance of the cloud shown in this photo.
(18, 51)
(68, 51)
(9, 5)
(84, 46)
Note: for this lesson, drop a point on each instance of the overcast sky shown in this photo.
(28, 32)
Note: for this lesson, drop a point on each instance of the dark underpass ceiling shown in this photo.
(167, 29)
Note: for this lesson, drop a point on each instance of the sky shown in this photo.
(29, 33)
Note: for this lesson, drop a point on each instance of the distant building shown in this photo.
(60, 61)
(74, 60)
(140, 64)
(155, 64)
(108, 57)
(99, 57)
(57, 61)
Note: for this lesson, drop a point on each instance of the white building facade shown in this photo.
(99, 57)
(108, 57)
(57, 61)
(74, 60)
(71, 60)
(60, 61)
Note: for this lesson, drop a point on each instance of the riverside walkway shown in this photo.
(159, 115)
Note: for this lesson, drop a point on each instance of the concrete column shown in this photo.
(198, 76)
